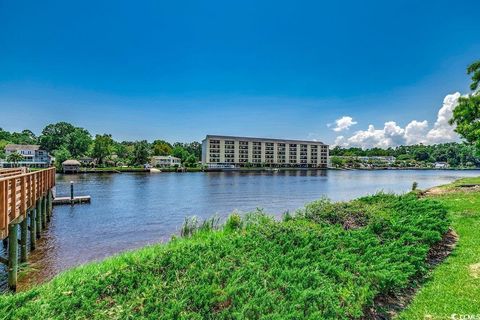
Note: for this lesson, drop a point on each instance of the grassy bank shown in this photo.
(327, 261)
(454, 287)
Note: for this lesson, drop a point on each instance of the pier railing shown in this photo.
(10, 172)
(25, 204)
(19, 193)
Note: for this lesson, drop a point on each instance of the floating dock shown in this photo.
(68, 200)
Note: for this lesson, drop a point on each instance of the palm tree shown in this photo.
(14, 157)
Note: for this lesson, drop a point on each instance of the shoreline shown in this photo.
(196, 170)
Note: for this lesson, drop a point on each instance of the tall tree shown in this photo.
(79, 141)
(55, 136)
(191, 161)
(474, 70)
(102, 147)
(466, 115)
(123, 151)
(180, 152)
(141, 153)
(161, 148)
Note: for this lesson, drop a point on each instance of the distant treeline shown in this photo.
(455, 154)
(65, 141)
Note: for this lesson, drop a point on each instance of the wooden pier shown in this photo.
(26, 201)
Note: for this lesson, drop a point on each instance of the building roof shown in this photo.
(165, 157)
(15, 147)
(264, 139)
(71, 163)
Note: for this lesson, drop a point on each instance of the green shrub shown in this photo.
(312, 266)
(234, 222)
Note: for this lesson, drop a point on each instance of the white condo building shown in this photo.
(235, 152)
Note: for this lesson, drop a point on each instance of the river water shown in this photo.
(131, 210)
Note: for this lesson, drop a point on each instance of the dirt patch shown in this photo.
(435, 191)
(440, 251)
(388, 306)
(354, 222)
(475, 270)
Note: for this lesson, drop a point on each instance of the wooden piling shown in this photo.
(50, 205)
(23, 240)
(38, 215)
(12, 256)
(44, 211)
(33, 230)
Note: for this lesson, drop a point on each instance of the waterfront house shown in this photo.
(227, 151)
(165, 161)
(379, 159)
(71, 166)
(441, 165)
(87, 161)
(32, 155)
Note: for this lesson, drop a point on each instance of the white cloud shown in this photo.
(416, 131)
(442, 131)
(343, 123)
(392, 135)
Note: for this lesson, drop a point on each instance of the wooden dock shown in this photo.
(68, 200)
(26, 201)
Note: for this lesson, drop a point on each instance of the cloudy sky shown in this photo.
(363, 73)
(391, 134)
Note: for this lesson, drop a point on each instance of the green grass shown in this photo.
(453, 287)
(327, 261)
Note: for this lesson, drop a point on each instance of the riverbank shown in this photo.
(175, 170)
(328, 261)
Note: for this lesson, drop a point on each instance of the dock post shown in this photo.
(33, 230)
(12, 256)
(71, 192)
(38, 215)
(44, 211)
(50, 205)
(23, 239)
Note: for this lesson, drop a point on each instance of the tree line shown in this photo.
(455, 154)
(65, 141)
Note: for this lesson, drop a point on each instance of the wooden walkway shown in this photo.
(25, 206)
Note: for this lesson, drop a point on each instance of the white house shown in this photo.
(32, 155)
(166, 161)
(441, 165)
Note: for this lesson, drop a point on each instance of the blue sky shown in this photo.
(181, 70)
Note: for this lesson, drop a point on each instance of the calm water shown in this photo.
(133, 210)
